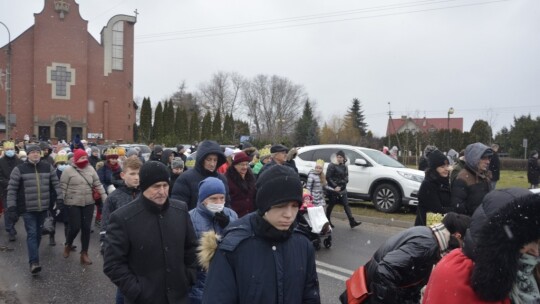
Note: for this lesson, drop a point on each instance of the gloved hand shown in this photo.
(12, 214)
(60, 204)
(222, 219)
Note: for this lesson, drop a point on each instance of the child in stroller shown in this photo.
(313, 223)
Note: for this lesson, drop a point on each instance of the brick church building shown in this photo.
(64, 82)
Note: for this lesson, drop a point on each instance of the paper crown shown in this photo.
(111, 151)
(61, 158)
(121, 151)
(319, 162)
(9, 145)
(264, 152)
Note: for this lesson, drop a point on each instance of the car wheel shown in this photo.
(303, 180)
(386, 198)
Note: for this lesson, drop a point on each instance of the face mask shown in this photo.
(81, 164)
(10, 153)
(62, 167)
(215, 207)
(23, 159)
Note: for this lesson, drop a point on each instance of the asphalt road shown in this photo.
(66, 281)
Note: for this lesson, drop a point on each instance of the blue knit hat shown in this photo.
(210, 186)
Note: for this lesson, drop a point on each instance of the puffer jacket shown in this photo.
(402, 266)
(203, 221)
(118, 198)
(29, 186)
(470, 186)
(248, 267)
(77, 186)
(337, 175)
(315, 187)
(186, 187)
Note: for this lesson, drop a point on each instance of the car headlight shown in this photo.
(413, 177)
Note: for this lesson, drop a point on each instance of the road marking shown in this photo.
(332, 275)
(342, 270)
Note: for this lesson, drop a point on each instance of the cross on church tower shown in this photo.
(61, 76)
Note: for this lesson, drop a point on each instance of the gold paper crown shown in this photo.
(121, 151)
(61, 158)
(319, 162)
(9, 145)
(264, 152)
(111, 151)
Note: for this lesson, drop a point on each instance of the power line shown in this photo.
(315, 23)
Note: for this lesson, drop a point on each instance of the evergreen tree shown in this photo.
(168, 120)
(206, 127)
(194, 126)
(228, 130)
(356, 118)
(135, 132)
(241, 128)
(157, 130)
(216, 127)
(178, 124)
(183, 125)
(481, 132)
(145, 128)
(307, 128)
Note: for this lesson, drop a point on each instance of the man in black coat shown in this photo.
(150, 249)
(209, 158)
(7, 163)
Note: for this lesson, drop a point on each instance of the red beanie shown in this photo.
(241, 157)
(78, 153)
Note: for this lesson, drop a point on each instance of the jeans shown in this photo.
(33, 222)
(80, 218)
(10, 227)
(119, 297)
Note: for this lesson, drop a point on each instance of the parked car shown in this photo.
(373, 175)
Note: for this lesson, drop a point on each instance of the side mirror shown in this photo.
(360, 162)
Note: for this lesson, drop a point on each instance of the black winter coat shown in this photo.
(7, 164)
(337, 175)
(495, 167)
(150, 252)
(468, 190)
(402, 266)
(248, 267)
(118, 198)
(433, 196)
(186, 187)
(533, 171)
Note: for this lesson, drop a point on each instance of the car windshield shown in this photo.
(382, 159)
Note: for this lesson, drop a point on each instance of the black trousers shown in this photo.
(80, 219)
(342, 199)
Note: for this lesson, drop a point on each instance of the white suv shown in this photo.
(373, 175)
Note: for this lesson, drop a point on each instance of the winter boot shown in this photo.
(353, 222)
(67, 250)
(85, 260)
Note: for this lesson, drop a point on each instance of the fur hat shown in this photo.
(276, 178)
(436, 159)
(499, 242)
(152, 172)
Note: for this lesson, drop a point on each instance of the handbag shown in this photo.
(96, 196)
(48, 224)
(357, 291)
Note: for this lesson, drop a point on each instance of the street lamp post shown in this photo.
(8, 82)
(450, 111)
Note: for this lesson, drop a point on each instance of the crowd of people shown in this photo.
(225, 230)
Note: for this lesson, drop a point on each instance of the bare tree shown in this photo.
(221, 92)
(182, 98)
(273, 102)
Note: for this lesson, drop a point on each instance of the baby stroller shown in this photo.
(313, 223)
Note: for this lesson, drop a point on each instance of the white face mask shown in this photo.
(62, 167)
(215, 207)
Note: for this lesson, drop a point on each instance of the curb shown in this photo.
(375, 220)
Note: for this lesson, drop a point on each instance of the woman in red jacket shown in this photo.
(241, 184)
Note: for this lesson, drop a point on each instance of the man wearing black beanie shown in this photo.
(150, 248)
(261, 259)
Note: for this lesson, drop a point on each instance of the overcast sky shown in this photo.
(480, 57)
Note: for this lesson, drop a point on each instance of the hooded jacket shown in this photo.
(337, 175)
(186, 187)
(433, 196)
(533, 170)
(248, 267)
(470, 186)
(485, 270)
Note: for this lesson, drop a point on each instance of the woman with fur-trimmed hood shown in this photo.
(485, 270)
